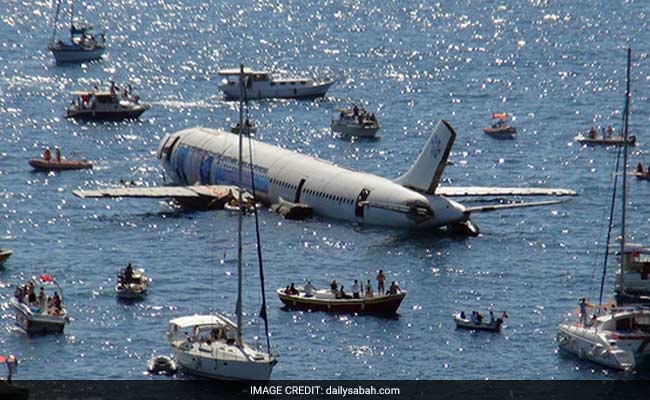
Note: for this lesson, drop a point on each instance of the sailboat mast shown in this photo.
(56, 20)
(241, 216)
(625, 139)
(71, 16)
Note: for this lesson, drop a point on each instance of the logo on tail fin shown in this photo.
(426, 172)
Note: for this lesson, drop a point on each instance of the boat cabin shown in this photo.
(626, 320)
(202, 329)
(635, 268)
(232, 76)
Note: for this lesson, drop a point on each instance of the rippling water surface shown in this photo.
(558, 67)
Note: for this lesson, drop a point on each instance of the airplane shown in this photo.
(415, 200)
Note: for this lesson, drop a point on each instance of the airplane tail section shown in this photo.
(424, 175)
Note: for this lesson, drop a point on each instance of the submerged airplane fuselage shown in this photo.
(209, 157)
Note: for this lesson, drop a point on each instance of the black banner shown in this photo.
(451, 390)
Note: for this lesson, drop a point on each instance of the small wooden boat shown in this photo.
(162, 365)
(4, 255)
(464, 323)
(604, 141)
(500, 129)
(132, 289)
(40, 164)
(643, 176)
(324, 300)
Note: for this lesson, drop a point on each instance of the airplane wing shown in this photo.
(200, 197)
(470, 191)
(159, 192)
(495, 207)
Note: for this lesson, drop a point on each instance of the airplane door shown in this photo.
(296, 199)
(360, 208)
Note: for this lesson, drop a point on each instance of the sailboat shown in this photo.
(82, 44)
(618, 334)
(212, 346)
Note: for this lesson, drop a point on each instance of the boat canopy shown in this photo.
(198, 320)
(91, 92)
(235, 71)
(501, 116)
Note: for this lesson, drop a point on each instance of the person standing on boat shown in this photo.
(639, 168)
(57, 154)
(12, 366)
(293, 290)
(334, 288)
(309, 289)
(355, 289)
(610, 131)
(584, 305)
(47, 155)
(381, 278)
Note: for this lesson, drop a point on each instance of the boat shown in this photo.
(355, 122)
(500, 129)
(263, 85)
(161, 365)
(4, 255)
(325, 300)
(211, 345)
(250, 127)
(618, 339)
(41, 316)
(82, 45)
(464, 323)
(62, 165)
(618, 334)
(132, 283)
(591, 139)
(108, 104)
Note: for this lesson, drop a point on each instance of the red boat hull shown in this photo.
(374, 305)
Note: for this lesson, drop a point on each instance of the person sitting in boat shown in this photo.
(610, 131)
(128, 274)
(355, 110)
(56, 300)
(462, 315)
(334, 287)
(593, 133)
(287, 291)
(31, 297)
(18, 294)
(342, 294)
(394, 289)
(293, 291)
(492, 320)
(356, 289)
(479, 318)
(309, 289)
(369, 293)
(47, 155)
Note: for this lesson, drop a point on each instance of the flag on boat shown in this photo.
(47, 278)
(501, 116)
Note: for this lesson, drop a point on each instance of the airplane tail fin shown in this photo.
(424, 175)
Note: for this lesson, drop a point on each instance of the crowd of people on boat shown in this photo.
(47, 154)
(478, 319)
(606, 134)
(41, 303)
(358, 290)
(358, 114)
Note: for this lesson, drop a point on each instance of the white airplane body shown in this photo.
(209, 157)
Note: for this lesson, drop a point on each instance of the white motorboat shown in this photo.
(212, 346)
(355, 122)
(4, 255)
(40, 316)
(616, 340)
(107, 104)
(131, 286)
(465, 323)
(262, 85)
(207, 346)
(617, 336)
(82, 45)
